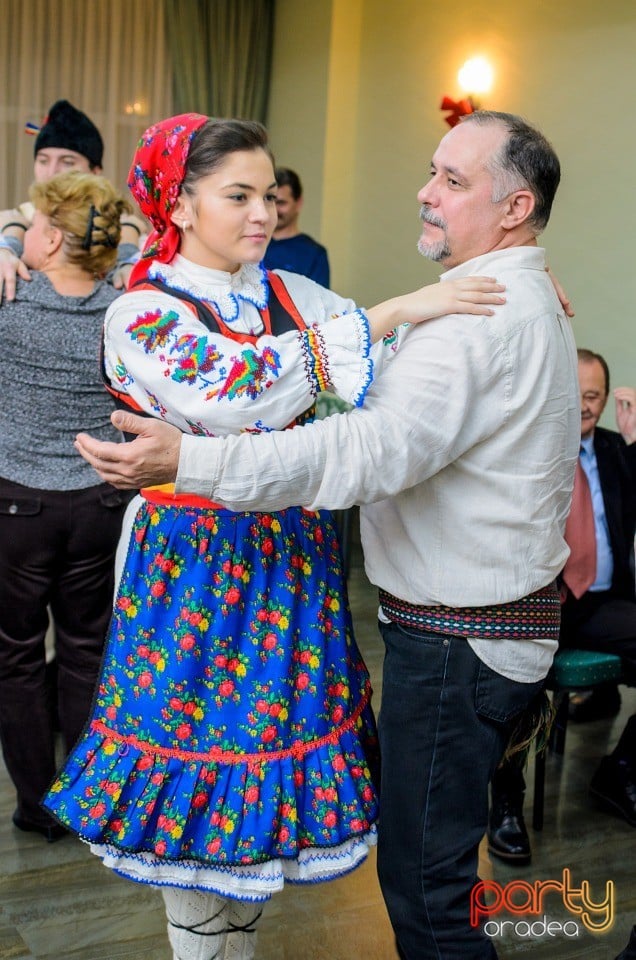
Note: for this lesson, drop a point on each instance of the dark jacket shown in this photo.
(617, 473)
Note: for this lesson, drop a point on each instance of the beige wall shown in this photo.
(298, 95)
(355, 109)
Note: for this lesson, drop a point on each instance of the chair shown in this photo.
(572, 670)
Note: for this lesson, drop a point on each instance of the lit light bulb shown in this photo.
(476, 75)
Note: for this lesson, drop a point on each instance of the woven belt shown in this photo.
(536, 616)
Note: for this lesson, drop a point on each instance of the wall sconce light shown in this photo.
(136, 108)
(474, 77)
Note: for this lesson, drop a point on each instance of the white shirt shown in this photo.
(463, 455)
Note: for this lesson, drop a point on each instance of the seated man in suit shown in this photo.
(599, 612)
(629, 953)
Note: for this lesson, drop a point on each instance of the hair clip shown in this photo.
(89, 241)
(88, 236)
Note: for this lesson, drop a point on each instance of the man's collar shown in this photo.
(527, 257)
(588, 444)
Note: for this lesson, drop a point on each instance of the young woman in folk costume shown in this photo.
(232, 741)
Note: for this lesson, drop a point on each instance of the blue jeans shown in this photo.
(445, 720)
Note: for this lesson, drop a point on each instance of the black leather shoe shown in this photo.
(51, 833)
(507, 835)
(597, 704)
(614, 789)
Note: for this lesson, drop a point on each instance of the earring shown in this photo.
(185, 225)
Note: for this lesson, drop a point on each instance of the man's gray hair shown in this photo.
(526, 161)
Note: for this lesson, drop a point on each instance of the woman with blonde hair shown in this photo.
(59, 525)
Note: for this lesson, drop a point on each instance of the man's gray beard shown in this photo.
(434, 251)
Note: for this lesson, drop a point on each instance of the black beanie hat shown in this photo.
(70, 129)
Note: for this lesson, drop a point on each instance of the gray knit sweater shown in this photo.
(50, 384)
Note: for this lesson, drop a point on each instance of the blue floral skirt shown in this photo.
(232, 743)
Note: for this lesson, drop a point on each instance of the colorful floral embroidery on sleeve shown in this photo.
(198, 430)
(156, 405)
(390, 340)
(316, 358)
(153, 329)
(195, 357)
(195, 360)
(122, 376)
(250, 374)
(258, 427)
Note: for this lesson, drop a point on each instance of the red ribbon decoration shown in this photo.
(458, 108)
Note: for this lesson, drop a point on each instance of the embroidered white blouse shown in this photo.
(158, 352)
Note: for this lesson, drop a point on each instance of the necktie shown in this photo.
(579, 572)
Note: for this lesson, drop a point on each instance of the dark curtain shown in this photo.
(221, 51)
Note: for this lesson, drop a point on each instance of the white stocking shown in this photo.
(241, 919)
(197, 923)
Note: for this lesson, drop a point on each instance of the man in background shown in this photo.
(602, 616)
(599, 608)
(289, 249)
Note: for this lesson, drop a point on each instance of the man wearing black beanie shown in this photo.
(67, 140)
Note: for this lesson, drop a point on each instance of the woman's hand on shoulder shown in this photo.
(564, 300)
(474, 295)
(468, 295)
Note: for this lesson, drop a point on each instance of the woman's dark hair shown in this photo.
(214, 141)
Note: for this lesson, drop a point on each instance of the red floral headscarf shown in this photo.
(155, 179)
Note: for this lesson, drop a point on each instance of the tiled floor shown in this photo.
(57, 902)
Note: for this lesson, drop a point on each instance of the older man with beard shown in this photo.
(463, 456)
